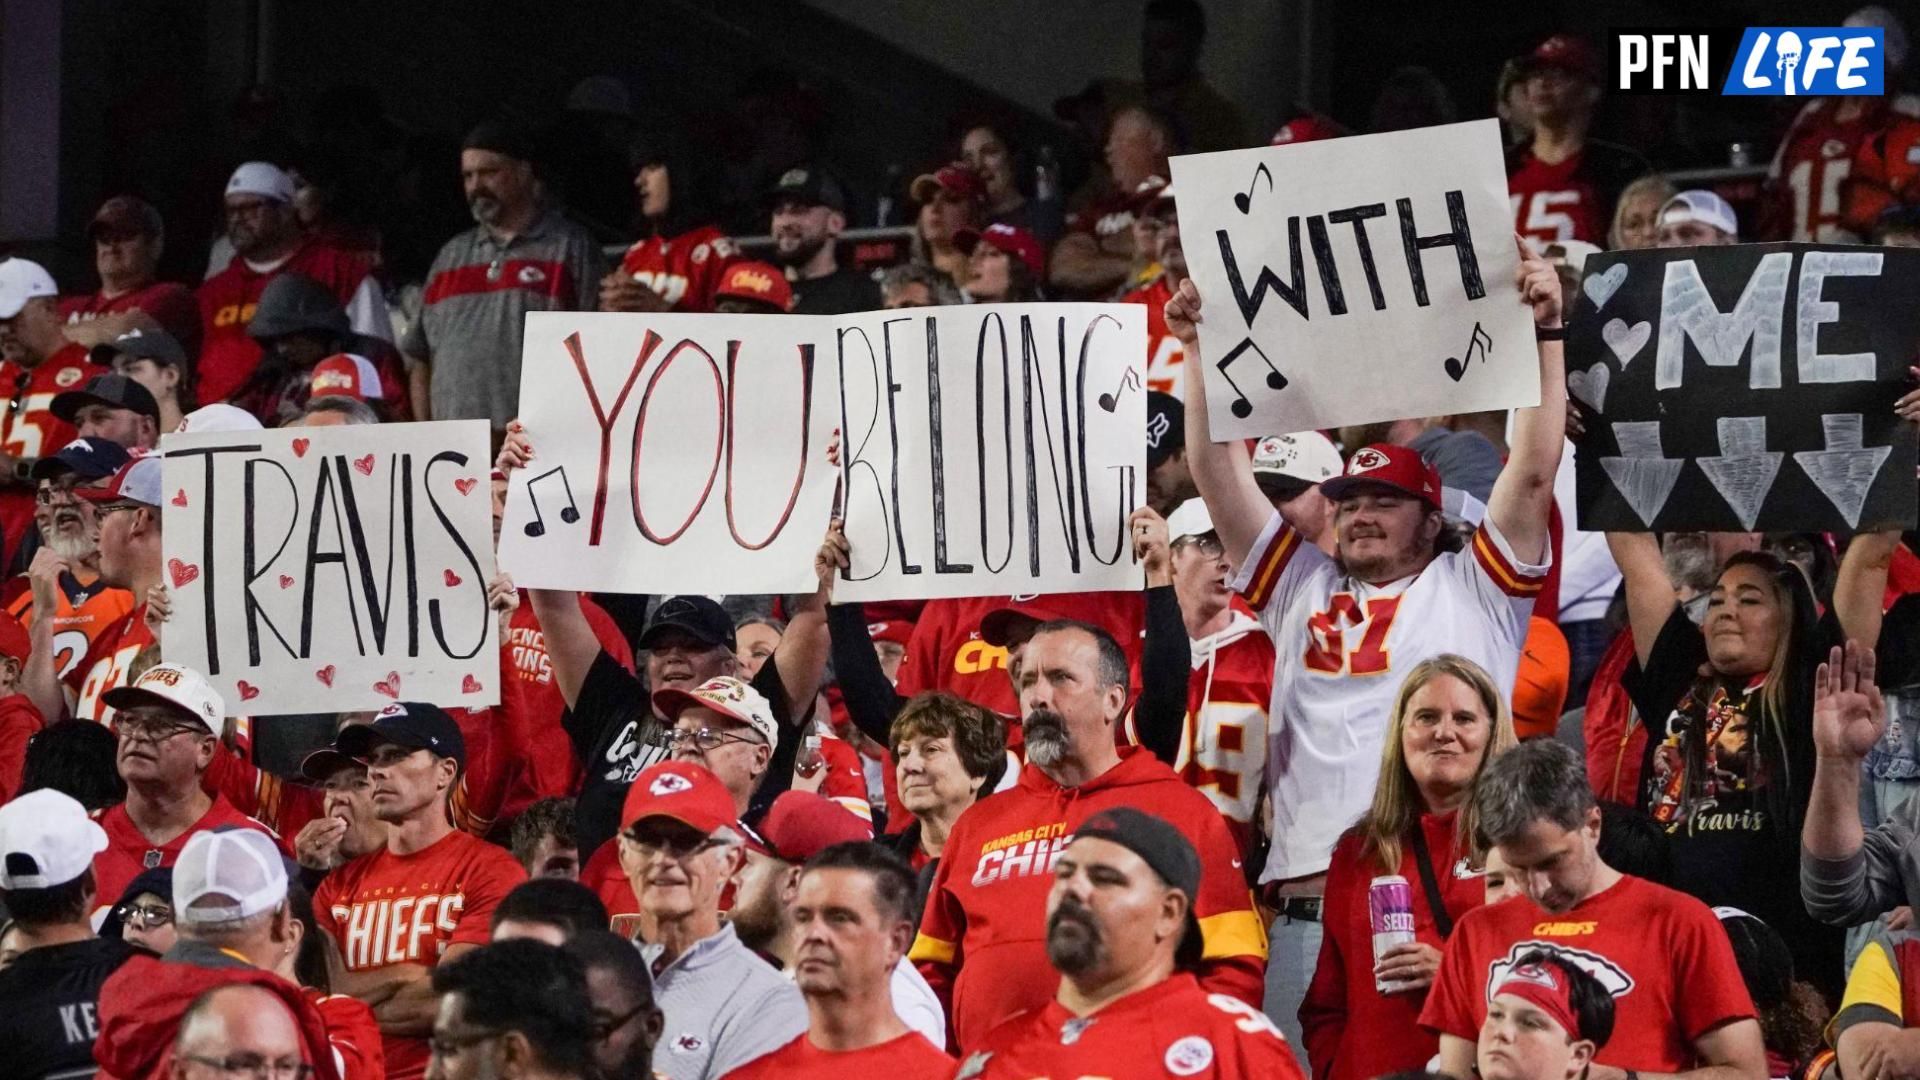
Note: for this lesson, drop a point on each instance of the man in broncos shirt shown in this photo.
(1563, 183)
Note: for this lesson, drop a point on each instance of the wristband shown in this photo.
(1554, 333)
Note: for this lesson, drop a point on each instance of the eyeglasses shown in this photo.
(142, 729)
(675, 845)
(706, 740)
(50, 493)
(147, 916)
(101, 514)
(447, 1045)
(255, 1068)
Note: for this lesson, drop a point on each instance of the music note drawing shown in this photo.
(1479, 343)
(569, 513)
(1244, 199)
(1242, 407)
(1130, 380)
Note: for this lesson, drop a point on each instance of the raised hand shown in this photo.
(1849, 714)
(1183, 314)
(1538, 282)
(317, 847)
(1151, 545)
(835, 555)
(159, 609)
(516, 451)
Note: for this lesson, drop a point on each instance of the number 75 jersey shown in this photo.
(1343, 647)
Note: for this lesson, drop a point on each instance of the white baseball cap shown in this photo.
(726, 695)
(263, 179)
(219, 416)
(20, 281)
(1304, 455)
(175, 686)
(1702, 206)
(239, 869)
(139, 480)
(1190, 518)
(46, 839)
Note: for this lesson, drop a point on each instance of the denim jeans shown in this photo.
(1293, 951)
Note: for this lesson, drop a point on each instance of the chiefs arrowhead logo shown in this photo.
(1366, 461)
(670, 784)
(532, 275)
(689, 1043)
(67, 377)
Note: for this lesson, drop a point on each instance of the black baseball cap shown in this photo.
(114, 391)
(415, 725)
(697, 616)
(811, 185)
(155, 345)
(321, 764)
(90, 459)
(1166, 427)
(1162, 847)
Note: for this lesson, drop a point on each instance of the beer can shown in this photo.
(1390, 914)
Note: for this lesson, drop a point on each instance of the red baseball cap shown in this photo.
(998, 626)
(894, 630)
(1308, 128)
(346, 375)
(802, 824)
(1386, 465)
(14, 641)
(954, 178)
(687, 793)
(1567, 52)
(758, 282)
(1016, 242)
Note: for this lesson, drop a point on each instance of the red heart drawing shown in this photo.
(183, 573)
(452, 579)
(300, 447)
(248, 691)
(470, 685)
(465, 487)
(325, 675)
(365, 465)
(286, 582)
(388, 689)
(180, 497)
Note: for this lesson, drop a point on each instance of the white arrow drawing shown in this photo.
(1642, 473)
(1844, 470)
(1745, 469)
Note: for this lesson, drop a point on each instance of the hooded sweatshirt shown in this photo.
(983, 939)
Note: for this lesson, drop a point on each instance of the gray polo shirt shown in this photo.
(475, 304)
(724, 1006)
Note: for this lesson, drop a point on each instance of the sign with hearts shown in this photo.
(339, 570)
(1744, 389)
(1356, 280)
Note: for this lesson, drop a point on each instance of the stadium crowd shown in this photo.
(1390, 769)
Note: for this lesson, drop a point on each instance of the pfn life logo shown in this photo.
(1780, 61)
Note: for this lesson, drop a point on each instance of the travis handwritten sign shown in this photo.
(986, 450)
(1356, 280)
(334, 568)
(1745, 388)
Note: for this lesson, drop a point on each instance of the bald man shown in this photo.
(233, 1028)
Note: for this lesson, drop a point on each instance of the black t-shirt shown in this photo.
(47, 998)
(1732, 815)
(842, 292)
(616, 737)
(1897, 655)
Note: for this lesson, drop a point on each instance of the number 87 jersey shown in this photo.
(1343, 647)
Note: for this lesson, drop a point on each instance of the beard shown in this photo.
(71, 547)
(802, 251)
(1074, 944)
(758, 921)
(1045, 732)
(484, 208)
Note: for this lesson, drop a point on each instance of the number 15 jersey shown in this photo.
(1343, 647)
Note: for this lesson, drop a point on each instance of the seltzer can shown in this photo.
(1390, 913)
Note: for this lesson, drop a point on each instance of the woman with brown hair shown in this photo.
(947, 753)
(1361, 1014)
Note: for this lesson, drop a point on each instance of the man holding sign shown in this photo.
(1389, 598)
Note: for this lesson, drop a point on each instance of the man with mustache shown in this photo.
(67, 566)
(463, 351)
(809, 214)
(983, 930)
(1122, 932)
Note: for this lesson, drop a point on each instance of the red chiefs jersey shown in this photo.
(106, 664)
(384, 909)
(20, 721)
(1163, 349)
(982, 943)
(946, 652)
(684, 269)
(1170, 1029)
(490, 763)
(1110, 215)
(129, 852)
(1886, 173)
(227, 300)
(907, 1055)
(80, 617)
(1573, 199)
(1660, 953)
(543, 764)
(28, 428)
(1808, 180)
(170, 305)
(282, 806)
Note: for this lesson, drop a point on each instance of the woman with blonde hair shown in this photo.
(1636, 213)
(1361, 1016)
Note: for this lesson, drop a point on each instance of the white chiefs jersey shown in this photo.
(1342, 647)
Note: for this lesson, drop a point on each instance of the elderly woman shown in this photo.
(946, 751)
(1361, 1017)
(1728, 765)
(1636, 213)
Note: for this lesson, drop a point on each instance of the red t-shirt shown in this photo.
(908, 1055)
(1164, 354)
(20, 721)
(946, 653)
(685, 269)
(1353, 1031)
(1109, 215)
(384, 909)
(28, 428)
(106, 664)
(1661, 953)
(1574, 199)
(544, 765)
(1170, 1029)
(227, 300)
(129, 852)
(171, 305)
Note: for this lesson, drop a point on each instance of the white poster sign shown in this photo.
(1356, 280)
(333, 568)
